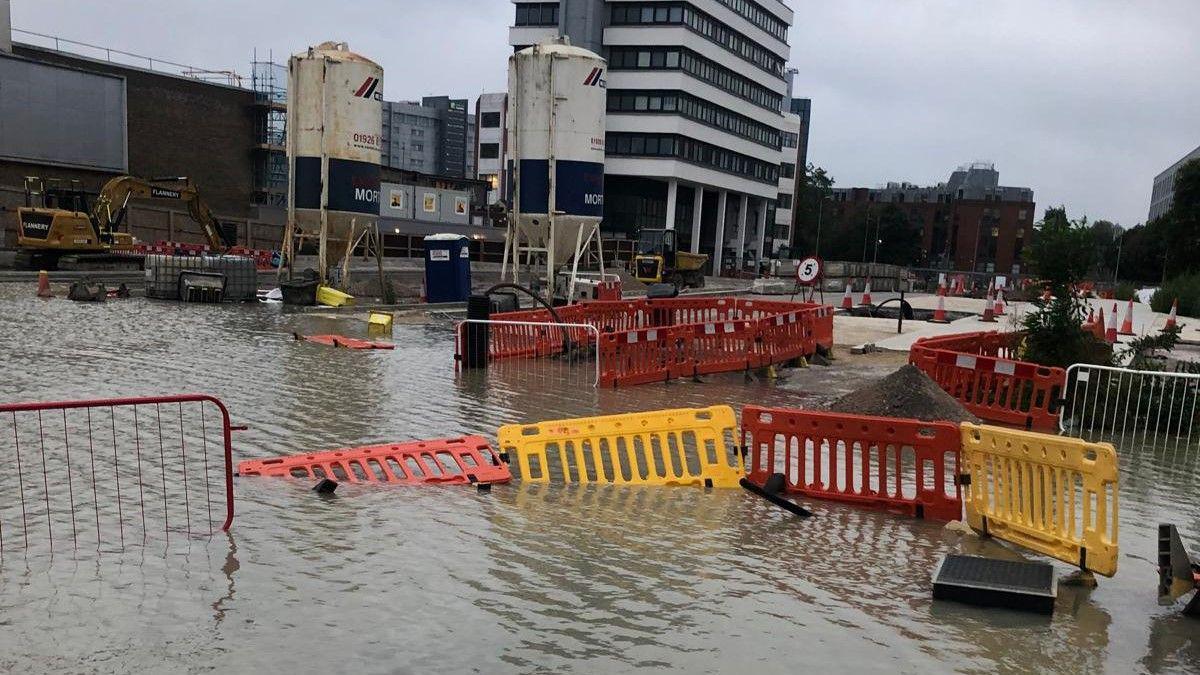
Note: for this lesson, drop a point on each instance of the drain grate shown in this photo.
(1025, 586)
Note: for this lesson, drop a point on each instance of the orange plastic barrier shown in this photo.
(644, 341)
(900, 465)
(468, 459)
(973, 368)
(343, 341)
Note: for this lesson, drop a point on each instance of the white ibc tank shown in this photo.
(556, 108)
(335, 118)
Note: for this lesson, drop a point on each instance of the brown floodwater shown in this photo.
(526, 578)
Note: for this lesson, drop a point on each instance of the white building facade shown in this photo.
(695, 128)
(491, 111)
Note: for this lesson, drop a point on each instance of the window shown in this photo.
(787, 170)
(418, 132)
(489, 150)
(690, 150)
(695, 109)
(784, 200)
(699, 67)
(417, 147)
(537, 14)
(489, 120)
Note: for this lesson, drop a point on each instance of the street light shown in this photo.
(875, 260)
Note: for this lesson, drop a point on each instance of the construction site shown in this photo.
(250, 417)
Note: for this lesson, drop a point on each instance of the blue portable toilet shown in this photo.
(447, 268)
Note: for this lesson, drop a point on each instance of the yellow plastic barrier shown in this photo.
(1051, 494)
(686, 446)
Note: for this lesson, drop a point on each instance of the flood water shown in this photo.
(526, 578)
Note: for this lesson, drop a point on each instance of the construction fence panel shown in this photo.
(458, 461)
(721, 347)
(686, 446)
(1146, 407)
(636, 357)
(784, 337)
(561, 352)
(110, 473)
(1051, 494)
(899, 465)
(995, 389)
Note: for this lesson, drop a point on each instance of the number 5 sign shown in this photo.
(808, 271)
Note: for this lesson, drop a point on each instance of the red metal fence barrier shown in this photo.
(108, 472)
(894, 464)
(468, 459)
(978, 369)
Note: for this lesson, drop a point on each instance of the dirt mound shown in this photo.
(905, 393)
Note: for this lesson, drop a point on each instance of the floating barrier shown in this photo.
(459, 461)
(686, 446)
(907, 466)
(643, 341)
(1050, 494)
(978, 370)
(105, 473)
(343, 341)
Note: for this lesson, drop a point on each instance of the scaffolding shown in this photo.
(269, 82)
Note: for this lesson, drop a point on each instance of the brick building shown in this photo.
(970, 222)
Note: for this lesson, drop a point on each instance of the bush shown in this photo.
(1184, 287)
(1125, 290)
(1055, 336)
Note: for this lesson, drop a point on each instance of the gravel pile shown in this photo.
(905, 393)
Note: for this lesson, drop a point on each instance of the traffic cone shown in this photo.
(43, 290)
(1110, 333)
(939, 314)
(847, 301)
(999, 302)
(1127, 322)
(1171, 317)
(989, 307)
(1098, 327)
(866, 298)
(1091, 315)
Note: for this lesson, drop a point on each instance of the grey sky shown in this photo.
(1082, 100)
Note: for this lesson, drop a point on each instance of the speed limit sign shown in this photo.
(808, 271)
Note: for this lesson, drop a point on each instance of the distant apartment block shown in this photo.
(970, 222)
(1162, 196)
(428, 137)
(491, 112)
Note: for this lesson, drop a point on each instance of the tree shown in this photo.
(812, 208)
(1061, 255)
(1106, 239)
(1181, 225)
(901, 237)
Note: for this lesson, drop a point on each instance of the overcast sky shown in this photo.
(1082, 100)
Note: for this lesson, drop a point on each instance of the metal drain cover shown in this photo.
(1024, 586)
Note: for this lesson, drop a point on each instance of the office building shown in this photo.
(970, 222)
(791, 175)
(491, 119)
(428, 137)
(696, 94)
(1162, 196)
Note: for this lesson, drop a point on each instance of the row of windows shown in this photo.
(537, 14)
(689, 150)
(699, 110)
(759, 17)
(698, 22)
(677, 58)
(790, 140)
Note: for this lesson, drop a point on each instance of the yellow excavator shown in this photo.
(56, 220)
(659, 260)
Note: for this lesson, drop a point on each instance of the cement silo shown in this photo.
(556, 109)
(334, 123)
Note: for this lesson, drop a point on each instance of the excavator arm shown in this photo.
(113, 203)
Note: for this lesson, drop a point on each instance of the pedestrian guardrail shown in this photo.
(686, 446)
(114, 472)
(1050, 494)
(981, 371)
(1144, 407)
(900, 465)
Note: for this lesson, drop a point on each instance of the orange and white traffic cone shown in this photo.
(1098, 326)
(989, 307)
(1110, 333)
(939, 314)
(847, 300)
(43, 290)
(1091, 315)
(999, 302)
(1171, 317)
(866, 298)
(1127, 322)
